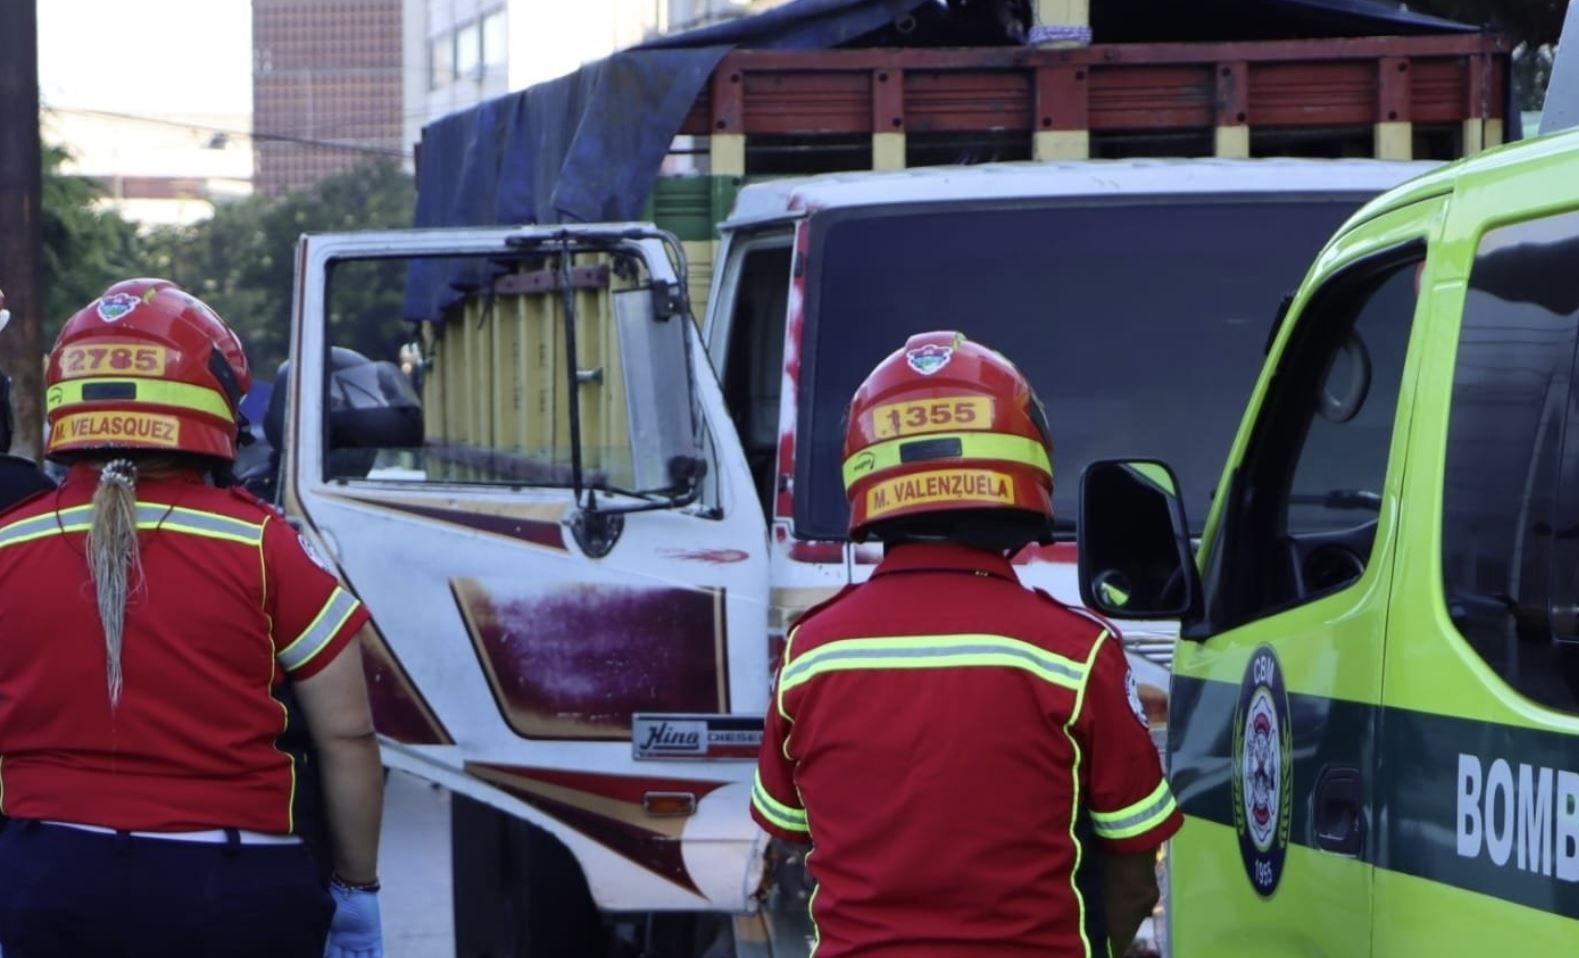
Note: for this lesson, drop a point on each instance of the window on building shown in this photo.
(1510, 512)
(468, 51)
(441, 61)
(494, 40)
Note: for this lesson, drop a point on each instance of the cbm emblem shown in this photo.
(928, 359)
(1263, 771)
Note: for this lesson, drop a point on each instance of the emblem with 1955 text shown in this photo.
(1263, 771)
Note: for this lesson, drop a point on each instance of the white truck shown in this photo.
(584, 552)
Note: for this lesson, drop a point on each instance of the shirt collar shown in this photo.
(944, 557)
(80, 473)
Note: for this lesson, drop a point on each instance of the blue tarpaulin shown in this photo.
(587, 147)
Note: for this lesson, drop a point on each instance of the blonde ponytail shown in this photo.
(114, 562)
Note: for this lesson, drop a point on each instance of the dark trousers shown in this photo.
(66, 893)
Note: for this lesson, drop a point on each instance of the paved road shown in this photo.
(414, 867)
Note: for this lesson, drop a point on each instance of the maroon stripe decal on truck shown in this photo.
(606, 809)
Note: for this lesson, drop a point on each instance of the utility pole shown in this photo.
(22, 220)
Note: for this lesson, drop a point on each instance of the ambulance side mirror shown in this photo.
(1134, 543)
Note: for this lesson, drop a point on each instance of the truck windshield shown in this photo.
(1141, 325)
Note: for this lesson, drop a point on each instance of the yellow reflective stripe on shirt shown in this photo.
(933, 652)
(150, 392)
(778, 687)
(945, 446)
(326, 626)
(1076, 801)
(150, 516)
(1137, 819)
(775, 811)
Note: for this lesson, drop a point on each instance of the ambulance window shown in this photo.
(1304, 512)
(1510, 557)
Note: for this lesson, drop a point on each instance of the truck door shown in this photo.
(568, 541)
(1272, 720)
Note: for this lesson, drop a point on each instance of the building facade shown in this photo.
(468, 51)
(328, 88)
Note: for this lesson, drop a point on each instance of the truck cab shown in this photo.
(584, 518)
(1374, 705)
(1056, 264)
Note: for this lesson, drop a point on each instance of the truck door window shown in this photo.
(1510, 509)
(478, 392)
(754, 365)
(1305, 501)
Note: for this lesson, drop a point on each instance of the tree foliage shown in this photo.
(242, 261)
(1534, 26)
(1534, 22)
(85, 248)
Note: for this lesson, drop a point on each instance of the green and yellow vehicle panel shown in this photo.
(1357, 779)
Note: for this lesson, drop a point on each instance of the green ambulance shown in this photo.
(1374, 712)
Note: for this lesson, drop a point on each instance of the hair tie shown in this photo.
(119, 472)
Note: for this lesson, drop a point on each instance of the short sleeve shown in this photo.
(1132, 808)
(313, 615)
(775, 804)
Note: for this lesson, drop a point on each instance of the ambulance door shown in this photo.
(539, 495)
(1272, 723)
(1480, 795)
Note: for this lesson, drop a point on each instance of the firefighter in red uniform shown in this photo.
(148, 621)
(966, 756)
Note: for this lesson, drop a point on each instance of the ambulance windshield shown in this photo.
(1142, 326)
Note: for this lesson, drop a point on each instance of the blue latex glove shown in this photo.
(355, 931)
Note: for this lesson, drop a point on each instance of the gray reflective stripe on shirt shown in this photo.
(330, 618)
(198, 523)
(37, 527)
(150, 516)
(1135, 821)
(965, 654)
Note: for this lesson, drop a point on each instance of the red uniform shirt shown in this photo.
(950, 743)
(229, 602)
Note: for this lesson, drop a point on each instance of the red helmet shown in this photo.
(146, 366)
(945, 424)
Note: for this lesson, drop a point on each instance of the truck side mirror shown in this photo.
(1134, 544)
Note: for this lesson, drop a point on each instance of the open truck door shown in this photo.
(537, 491)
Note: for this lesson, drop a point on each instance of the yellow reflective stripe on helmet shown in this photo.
(1137, 819)
(775, 811)
(972, 445)
(933, 652)
(316, 636)
(150, 516)
(152, 392)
